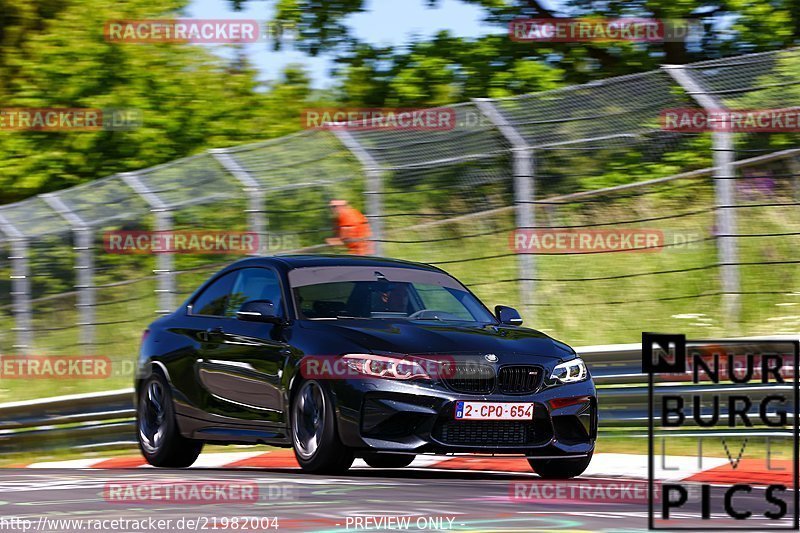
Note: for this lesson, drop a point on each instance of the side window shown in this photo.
(325, 300)
(255, 284)
(213, 301)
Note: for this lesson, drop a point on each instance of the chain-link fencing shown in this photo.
(714, 214)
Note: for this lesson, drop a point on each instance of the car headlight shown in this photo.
(570, 372)
(382, 366)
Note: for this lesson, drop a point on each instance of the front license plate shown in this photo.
(493, 411)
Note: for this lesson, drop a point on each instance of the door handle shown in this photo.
(209, 334)
(213, 333)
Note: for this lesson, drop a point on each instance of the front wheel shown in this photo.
(560, 468)
(159, 438)
(389, 460)
(314, 437)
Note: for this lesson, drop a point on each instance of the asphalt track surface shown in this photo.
(442, 500)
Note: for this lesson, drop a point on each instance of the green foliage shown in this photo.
(52, 53)
(55, 55)
(444, 68)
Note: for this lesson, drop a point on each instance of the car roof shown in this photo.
(290, 262)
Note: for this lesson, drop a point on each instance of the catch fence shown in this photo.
(591, 159)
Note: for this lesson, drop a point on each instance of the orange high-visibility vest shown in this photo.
(354, 230)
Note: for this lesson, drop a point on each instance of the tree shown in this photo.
(446, 68)
(54, 54)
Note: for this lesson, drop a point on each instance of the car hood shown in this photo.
(387, 336)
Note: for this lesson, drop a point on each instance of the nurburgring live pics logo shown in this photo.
(733, 378)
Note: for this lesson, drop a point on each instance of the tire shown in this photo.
(160, 440)
(560, 468)
(389, 460)
(315, 440)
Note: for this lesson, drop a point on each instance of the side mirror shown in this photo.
(259, 311)
(508, 315)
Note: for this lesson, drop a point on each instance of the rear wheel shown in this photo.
(389, 460)
(159, 439)
(560, 468)
(314, 437)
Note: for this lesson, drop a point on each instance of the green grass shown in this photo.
(603, 311)
(754, 448)
(23, 458)
(607, 443)
(579, 312)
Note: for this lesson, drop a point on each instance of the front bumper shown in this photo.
(404, 417)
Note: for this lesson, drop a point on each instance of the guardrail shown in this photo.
(85, 421)
(106, 420)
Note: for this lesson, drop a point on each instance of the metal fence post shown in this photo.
(524, 193)
(165, 268)
(20, 286)
(257, 220)
(83, 244)
(164, 262)
(725, 198)
(524, 196)
(374, 185)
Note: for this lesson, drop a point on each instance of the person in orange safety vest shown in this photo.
(352, 229)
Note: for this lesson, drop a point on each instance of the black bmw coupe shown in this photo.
(344, 357)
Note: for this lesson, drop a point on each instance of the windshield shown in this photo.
(383, 293)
